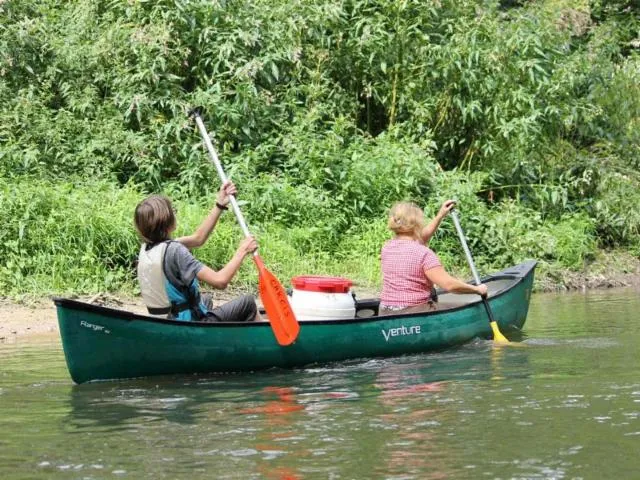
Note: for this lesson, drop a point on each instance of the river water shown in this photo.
(563, 404)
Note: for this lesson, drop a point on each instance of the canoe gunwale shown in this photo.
(517, 273)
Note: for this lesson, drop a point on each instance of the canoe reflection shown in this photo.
(425, 402)
(400, 414)
(132, 404)
(217, 417)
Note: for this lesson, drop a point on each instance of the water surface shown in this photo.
(566, 404)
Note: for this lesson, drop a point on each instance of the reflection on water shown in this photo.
(563, 404)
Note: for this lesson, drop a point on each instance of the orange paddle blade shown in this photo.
(274, 298)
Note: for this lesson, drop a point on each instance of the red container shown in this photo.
(316, 283)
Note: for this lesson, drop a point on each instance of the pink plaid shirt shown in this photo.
(404, 283)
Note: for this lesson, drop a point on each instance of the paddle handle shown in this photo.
(216, 161)
(465, 247)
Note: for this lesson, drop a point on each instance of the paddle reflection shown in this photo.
(280, 404)
(283, 403)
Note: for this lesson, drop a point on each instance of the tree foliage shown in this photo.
(326, 112)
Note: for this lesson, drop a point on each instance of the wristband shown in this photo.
(221, 207)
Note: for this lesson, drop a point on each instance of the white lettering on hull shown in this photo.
(401, 331)
(94, 327)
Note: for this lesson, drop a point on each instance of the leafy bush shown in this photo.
(324, 114)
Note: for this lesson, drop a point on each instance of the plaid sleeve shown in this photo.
(430, 260)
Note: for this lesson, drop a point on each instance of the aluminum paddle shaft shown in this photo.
(216, 161)
(497, 335)
(465, 247)
(274, 298)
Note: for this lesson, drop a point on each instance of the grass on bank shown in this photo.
(78, 238)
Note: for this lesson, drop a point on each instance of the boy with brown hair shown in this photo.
(168, 273)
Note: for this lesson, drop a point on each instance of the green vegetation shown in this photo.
(324, 113)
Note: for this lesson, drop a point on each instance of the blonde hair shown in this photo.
(406, 218)
(154, 219)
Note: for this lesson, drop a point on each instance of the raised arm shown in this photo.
(440, 277)
(200, 236)
(428, 231)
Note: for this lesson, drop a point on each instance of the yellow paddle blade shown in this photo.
(497, 335)
(276, 303)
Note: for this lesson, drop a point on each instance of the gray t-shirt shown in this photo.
(180, 266)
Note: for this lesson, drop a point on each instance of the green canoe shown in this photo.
(103, 343)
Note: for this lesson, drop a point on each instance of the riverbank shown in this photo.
(609, 270)
(38, 316)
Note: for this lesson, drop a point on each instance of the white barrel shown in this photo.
(322, 306)
(322, 298)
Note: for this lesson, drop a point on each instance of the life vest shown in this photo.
(160, 295)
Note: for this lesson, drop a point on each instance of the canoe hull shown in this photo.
(102, 343)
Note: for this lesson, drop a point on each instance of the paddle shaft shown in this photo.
(465, 247)
(221, 174)
(274, 298)
(472, 265)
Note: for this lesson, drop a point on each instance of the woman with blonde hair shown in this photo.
(410, 268)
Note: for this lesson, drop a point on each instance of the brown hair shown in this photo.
(406, 218)
(154, 218)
